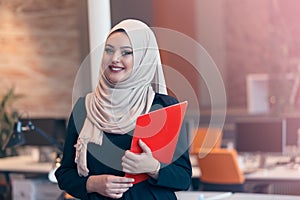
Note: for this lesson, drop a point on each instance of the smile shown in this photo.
(115, 68)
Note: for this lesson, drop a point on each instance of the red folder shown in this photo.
(159, 129)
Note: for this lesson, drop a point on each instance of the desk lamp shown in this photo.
(17, 138)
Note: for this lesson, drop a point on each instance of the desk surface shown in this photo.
(189, 195)
(24, 164)
(231, 196)
(277, 173)
(247, 196)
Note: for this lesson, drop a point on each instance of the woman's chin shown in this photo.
(115, 80)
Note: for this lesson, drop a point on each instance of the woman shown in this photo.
(131, 83)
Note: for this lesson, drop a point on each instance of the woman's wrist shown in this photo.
(154, 174)
(90, 184)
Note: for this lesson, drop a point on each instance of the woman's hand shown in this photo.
(109, 185)
(140, 163)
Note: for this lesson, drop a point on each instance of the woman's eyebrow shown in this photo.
(110, 45)
(126, 47)
(122, 47)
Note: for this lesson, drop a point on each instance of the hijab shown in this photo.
(114, 107)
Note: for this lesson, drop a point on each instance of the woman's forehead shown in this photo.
(119, 39)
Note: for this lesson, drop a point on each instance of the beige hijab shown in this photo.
(114, 108)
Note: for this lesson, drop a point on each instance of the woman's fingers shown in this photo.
(119, 179)
(109, 185)
(144, 147)
(118, 186)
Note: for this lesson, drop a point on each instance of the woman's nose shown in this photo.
(116, 57)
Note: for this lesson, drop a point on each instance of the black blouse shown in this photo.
(106, 159)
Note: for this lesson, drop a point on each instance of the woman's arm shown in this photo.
(177, 175)
(67, 176)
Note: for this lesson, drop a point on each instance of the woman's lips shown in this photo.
(115, 68)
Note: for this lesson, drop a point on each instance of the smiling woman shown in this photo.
(131, 83)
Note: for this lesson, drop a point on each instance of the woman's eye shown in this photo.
(125, 53)
(108, 51)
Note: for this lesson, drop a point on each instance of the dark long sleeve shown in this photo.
(67, 175)
(177, 175)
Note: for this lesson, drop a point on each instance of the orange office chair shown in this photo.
(220, 171)
(205, 138)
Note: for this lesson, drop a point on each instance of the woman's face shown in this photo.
(117, 57)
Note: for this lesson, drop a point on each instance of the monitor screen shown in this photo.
(55, 128)
(292, 129)
(261, 136)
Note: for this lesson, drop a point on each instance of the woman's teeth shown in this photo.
(116, 68)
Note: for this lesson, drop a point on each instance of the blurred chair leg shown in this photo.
(263, 188)
(195, 184)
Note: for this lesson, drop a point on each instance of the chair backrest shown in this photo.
(220, 166)
(204, 137)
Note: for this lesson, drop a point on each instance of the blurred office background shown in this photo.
(255, 45)
(43, 44)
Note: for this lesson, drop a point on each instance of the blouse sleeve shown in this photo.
(67, 176)
(177, 175)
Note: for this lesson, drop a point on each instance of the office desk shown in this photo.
(278, 179)
(231, 196)
(187, 195)
(24, 164)
(251, 196)
(277, 173)
(33, 175)
(283, 178)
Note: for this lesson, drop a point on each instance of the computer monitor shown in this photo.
(53, 127)
(261, 135)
